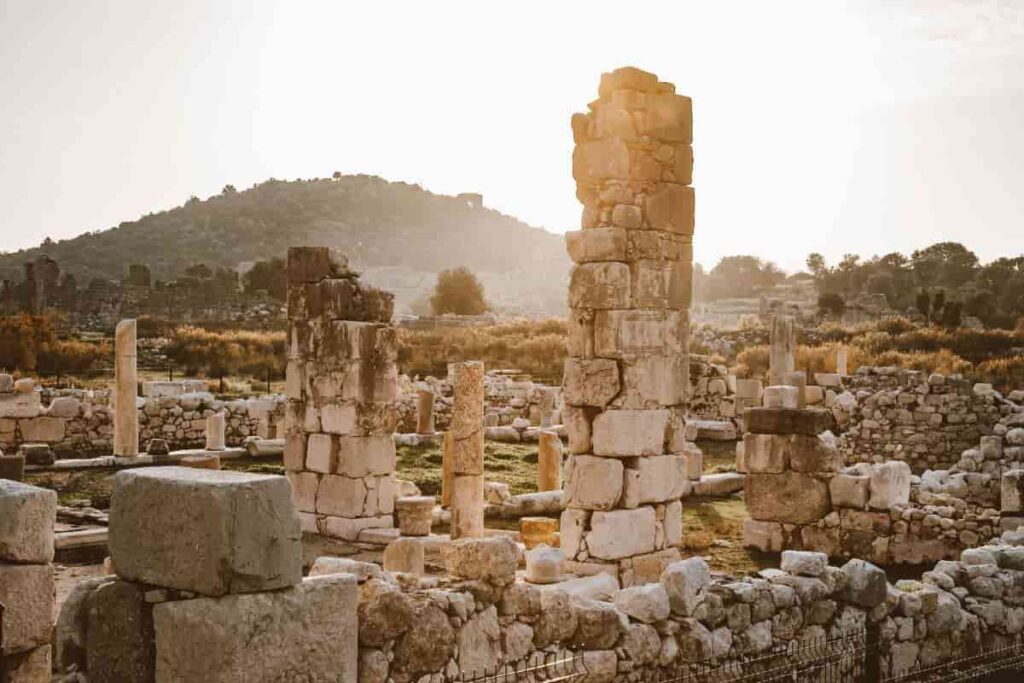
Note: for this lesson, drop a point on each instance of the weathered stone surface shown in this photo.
(33, 666)
(544, 565)
(671, 208)
(655, 381)
(119, 633)
(306, 632)
(549, 461)
(765, 536)
(479, 643)
(415, 514)
(657, 479)
(592, 483)
(72, 625)
(27, 515)
(126, 415)
(811, 421)
(208, 531)
(638, 333)
(42, 429)
(492, 559)
(866, 584)
(850, 489)
(625, 433)
(621, 533)
(405, 555)
(26, 593)
(790, 497)
(804, 563)
(467, 506)
(596, 244)
(590, 382)
(781, 396)
(648, 603)
(890, 485)
(599, 286)
(686, 583)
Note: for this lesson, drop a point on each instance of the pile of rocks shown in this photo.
(208, 587)
(27, 516)
(341, 386)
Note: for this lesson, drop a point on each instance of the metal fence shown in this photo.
(547, 667)
(996, 664)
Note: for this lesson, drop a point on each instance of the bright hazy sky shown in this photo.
(865, 127)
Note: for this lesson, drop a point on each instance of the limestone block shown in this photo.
(26, 593)
(349, 529)
(804, 563)
(425, 412)
(600, 286)
(364, 456)
(890, 485)
(415, 514)
(762, 535)
(215, 425)
(781, 396)
(813, 453)
(783, 349)
(686, 582)
(850, 490)
(468, 407)
(621, 533)
(592, 483)
(578, 428)
(338, 418)
(648, 603)
(811, 421)
(20, 405)
(596, 244)
(405, 555)
(673, 524)
(866, 584)
(626, 433)
(638, 333)
(766, 453)
(658, 479)
(6, 383)
(1011, 492)
(814, 395)
(661, 284)
(207, 531)
(571, 527)
(467, 506)
(312, 264)
(492, 559)
(304, 486)
(27, 516)
(549, 462)
(119, 633)
(27, 667)
(537, 531)
(598, 160)
(42, 429)
(12, 467)
(991, 447)
(341, 496)
(468, 454)
(657, 380)
(671, 208)
(64, 407)
(321, 453)
(544, 565)
(790, 497)
(262, 636)
(590, 382)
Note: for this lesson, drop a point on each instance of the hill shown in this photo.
(398, 234)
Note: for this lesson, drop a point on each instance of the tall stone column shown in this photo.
(627, 373)
(549, 462)
(215, 426)
(425, 412)
(467, 443)
(782, 360)
(126, 389)
(841, 368)
(341, 385)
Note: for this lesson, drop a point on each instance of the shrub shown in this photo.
(458, 291)
(224, 353)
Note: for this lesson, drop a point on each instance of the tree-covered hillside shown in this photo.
(376, 222)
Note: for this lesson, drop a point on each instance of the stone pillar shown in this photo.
(215, 426)
(783, 350)
(341, 385)
(425, 412)
(126, 414)
(28, 514)
(627, 374)
(841, 367)
(549, 462)
(798, 379)
(446, 470)
(467, 441)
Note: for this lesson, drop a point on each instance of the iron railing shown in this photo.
(1000, 663)
(547, 667)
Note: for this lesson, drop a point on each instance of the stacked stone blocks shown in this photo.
(626, 377)
(27, 515)
(341, 387)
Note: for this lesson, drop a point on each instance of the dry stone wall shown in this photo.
(341, 387)
(626, 377)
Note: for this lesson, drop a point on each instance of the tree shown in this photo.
(742, 276)
(270, 276)
(229, 189)
(816, 264)
(924, 303)
(944, 264)
(951, 314)
(458, 291)
(200, 271)
(832, 304)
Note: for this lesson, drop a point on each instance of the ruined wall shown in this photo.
(341, 387)
(626, 377)
(78, 423)
(926, 422)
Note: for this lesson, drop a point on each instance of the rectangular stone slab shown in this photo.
(208, 531)
(787, 421)
(308, 632)
(27, 514)
(26, 592)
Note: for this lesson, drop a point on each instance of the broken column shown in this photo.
(341, 386)
(215, 426)
(627, 373)
(783, 350)
(467, 442)
(27, 516)
(841, 363)
(126, 416)
(549, 462)
(425, 412)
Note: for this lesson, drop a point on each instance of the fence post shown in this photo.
(872, 670)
